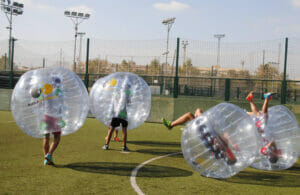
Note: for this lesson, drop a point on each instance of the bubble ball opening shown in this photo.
(49, 100)
(221, 142)
(121, 95)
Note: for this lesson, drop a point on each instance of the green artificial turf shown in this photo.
(84, 168)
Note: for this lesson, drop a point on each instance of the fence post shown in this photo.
(238, 93)
(11, 74)
(5, 61)
(86, 77)
(283, 89)
(43, 62)
(175, 94)
(227, 89)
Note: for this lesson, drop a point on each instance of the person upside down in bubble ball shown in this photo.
(51, 99)
(212, 140)
(261, 117)
(121, 99)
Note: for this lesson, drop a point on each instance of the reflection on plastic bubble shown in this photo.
(39, 105)
(278, 150)
(121, 95)
(215, 144)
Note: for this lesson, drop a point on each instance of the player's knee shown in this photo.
(56, 139)
(199, 110)
(47, 139)
(226, 135)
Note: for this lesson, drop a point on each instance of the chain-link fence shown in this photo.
(263, 59)
(202, 71)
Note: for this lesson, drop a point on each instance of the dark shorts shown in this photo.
(115, 122)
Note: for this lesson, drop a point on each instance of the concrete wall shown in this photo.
(5, 95)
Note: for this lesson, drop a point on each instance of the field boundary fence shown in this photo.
(189, 70)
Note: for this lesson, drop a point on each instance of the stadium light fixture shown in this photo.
(11, 9)
(77, 18)
(67, 13)
(168, 22)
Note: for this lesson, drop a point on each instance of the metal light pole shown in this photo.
(168, 22)
(11, 74)
(11, 9)
(81, 34)
(219, 37)
(184, 44)
(77, 18)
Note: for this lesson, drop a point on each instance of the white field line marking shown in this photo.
(7, 122)
(136, 169)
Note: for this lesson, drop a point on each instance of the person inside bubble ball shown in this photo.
(218, 145)
(120, 101)
(51, 99)
(261, 118)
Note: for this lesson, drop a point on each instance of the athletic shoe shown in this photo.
(49, 159)
(116, 139)
(105, 147)
(45, 162)
(250, 97)
(166, 123)
(125, 149)
(269, 95)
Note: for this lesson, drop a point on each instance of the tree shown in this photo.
(124, 66)
(154, 68)
(266, 71)
(187, 68)
(2, 62)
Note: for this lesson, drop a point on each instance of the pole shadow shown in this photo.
(125, 169)
(161, 152)
(156, 143)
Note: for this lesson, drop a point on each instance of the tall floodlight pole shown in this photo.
(81, 34)
(11, 10)
(77, 18)
(184, 44)
(219, 37)
(168, 22)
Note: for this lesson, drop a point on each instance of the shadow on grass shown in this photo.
(267, 178)
(125, 169)
(155, 143)
(295, 168)
(161, 152)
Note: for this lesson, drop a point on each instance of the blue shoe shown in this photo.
(45, 162)
(49, 159)
(268, 95)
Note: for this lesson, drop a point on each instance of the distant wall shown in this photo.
(166, 107)
(5, 95)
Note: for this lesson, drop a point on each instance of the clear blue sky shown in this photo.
(240, 20)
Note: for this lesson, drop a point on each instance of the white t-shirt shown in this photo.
(53, 103)
(121, 99)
